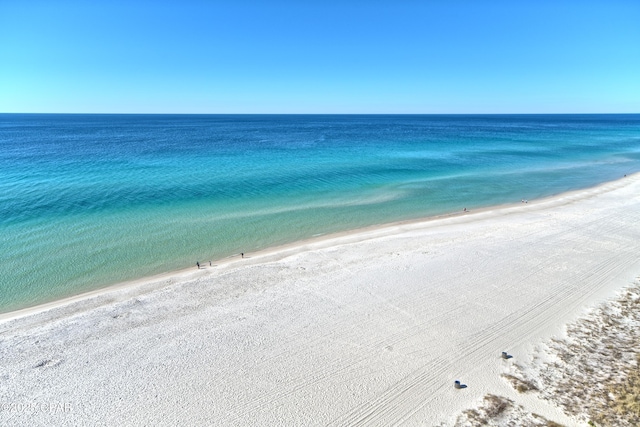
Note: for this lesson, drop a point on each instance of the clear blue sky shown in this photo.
(325, 56)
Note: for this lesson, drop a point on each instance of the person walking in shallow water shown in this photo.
(198, 264)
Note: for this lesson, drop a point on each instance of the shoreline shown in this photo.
(278, 252)
(367, 327)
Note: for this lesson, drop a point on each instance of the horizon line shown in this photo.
(317, 114)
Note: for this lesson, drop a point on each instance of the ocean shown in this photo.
(91, 200)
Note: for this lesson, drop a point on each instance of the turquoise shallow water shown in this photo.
(91, 200)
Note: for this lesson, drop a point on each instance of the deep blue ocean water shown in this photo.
(91, 200)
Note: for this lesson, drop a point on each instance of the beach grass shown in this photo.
(596, 372)
(626, 402)
(521, 385)
(501, 411)
(592, 374)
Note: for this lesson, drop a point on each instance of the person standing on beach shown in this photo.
(198, 264)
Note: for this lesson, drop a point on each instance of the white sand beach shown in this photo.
(364, 328)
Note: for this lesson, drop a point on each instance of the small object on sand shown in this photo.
(506, 356)
(457, 384)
